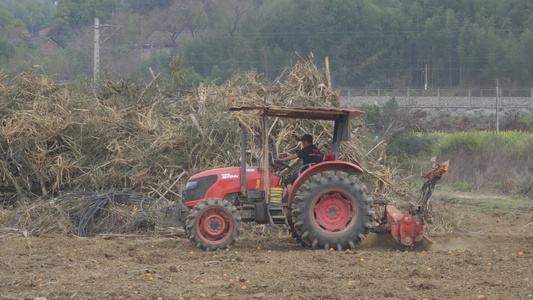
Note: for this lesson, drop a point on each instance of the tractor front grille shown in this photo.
(200, 189)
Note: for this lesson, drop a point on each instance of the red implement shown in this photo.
(403, 227)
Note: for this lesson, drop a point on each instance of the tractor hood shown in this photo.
(217, 183)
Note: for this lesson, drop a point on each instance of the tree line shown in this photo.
(393, 43)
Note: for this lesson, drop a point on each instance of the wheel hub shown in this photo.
(333, 212)
(214, 225)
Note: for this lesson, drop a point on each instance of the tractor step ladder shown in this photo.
(275, 213)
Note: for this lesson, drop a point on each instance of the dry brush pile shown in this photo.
(57, 139)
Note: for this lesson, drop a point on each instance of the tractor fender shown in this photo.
(343, 166)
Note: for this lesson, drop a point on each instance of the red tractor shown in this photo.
(327, 207)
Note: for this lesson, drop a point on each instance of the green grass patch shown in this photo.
(461, 186)
(522, 198)
(506, 207)
(444, 188)
(513, 142)
(416, 184)
(456, 200)
(487, 205)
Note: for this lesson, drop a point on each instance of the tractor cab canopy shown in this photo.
(309, 112)
(341, 117)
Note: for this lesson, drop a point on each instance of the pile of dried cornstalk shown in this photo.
(57, 138)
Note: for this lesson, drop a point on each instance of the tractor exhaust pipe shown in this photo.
(243, 160)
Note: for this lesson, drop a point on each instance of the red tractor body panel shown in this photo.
(322, 167)
(228, 181)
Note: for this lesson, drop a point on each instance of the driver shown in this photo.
(309, 154)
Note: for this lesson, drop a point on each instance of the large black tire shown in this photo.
(293, 232)
(332, 210)
(213, 224)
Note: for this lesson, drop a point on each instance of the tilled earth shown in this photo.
(489, 255)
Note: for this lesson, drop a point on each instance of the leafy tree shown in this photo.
(182, 77)
(186, 16)
(6, 51)
(526, 44)
(368, 42)
(68, 64)
(144, 7)
(8, 23)
(78, 13)
(232, 13)
(35, 14)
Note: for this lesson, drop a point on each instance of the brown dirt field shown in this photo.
(481, 257)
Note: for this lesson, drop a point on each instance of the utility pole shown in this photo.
(426, 77)
(328, 74)
(97, 42)
(96, 70)
(497, 109)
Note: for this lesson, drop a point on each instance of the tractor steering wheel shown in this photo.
(280, 166)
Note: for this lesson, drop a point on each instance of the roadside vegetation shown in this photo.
(480, 161)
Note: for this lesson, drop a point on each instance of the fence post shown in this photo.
(379, 92)
(500, 94)
(349, 93)
(469, 98)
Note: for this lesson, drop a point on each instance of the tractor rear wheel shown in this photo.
(293, 232)
(213, 224)
(332, 210)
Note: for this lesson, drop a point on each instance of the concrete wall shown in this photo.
(454, 105)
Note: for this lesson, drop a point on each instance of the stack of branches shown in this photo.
(115, 211)
(58, 138)
(35, 219)
(34, 116)
(83, 213)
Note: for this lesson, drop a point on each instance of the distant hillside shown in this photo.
(369, 43)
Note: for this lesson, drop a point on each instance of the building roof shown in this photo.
(42, 40)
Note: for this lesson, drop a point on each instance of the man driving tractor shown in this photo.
(309, 154)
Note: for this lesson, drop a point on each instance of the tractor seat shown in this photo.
(331, 156)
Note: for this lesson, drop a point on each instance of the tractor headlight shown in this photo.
(191, 185)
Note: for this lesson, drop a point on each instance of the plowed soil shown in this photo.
(488, 254)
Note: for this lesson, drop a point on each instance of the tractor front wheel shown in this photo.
(332, 210)
(213, 224)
